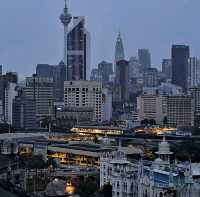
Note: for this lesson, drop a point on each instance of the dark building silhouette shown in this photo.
(122, 80)
(144, 57)
(58, 73)
(180, 56)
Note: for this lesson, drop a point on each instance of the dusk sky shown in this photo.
(31, 32)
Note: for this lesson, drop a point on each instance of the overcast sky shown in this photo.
(31, 33)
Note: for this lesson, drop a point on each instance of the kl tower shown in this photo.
(65, 18)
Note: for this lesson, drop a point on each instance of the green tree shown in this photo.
(86, 188)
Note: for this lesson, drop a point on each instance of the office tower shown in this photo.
(41, 90)
(180, 56)
(65, 19)
(24, 112)
(78, 50)
(144, 57)
(180, 111)
(105, 70)
(134, 68)
(119, 51)
(122, 80)
(167, 68)
(10, 93)
(152, 107)
(150, 77)
(58, 73)
(9, 77)
(88, 94)
(193, 72)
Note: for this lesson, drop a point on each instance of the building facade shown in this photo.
(78, 50)
(40, 89)
(5, 79)
(10, 93)
(180, 111)
(167, 68)
(136, 179)
(84, 94)
(152, 107)
(24, 112)
(150, 76)
(193, 72)
(105, 70)
(180, 56)
(135, 68)
(122, 80)
(58, 73)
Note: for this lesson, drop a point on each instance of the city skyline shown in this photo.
(38, 35)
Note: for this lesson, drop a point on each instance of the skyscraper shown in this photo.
(78, 50)
(180, 56)
(119, 51)
(144, 58)
(122, 80)
(65, 18)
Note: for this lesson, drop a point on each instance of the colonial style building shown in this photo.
(161, 178)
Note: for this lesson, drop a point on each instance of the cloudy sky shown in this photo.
(31, 33)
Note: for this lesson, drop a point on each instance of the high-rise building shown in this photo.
(88, 94)
(152, 107)
(167, 68)
(58, 73)
(65, 19)
(24, 112)
(180, 111)
(144, 57)
(5, 79)
(10, 93)
(78, 50)
(122, 80)
(105, 70)
(119, 51)
(180, 56)
(193, 72)
(41, 90)
(150, 76)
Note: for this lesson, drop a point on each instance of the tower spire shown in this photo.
(65, 3)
